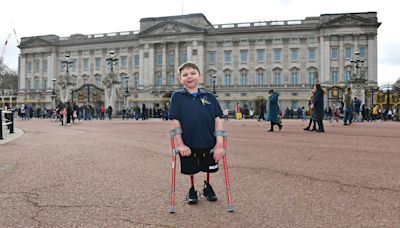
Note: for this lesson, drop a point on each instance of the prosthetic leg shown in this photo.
(224, 134)
(174, 153)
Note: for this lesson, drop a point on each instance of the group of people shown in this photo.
(69, 111)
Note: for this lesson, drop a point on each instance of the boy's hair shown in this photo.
(270, 91)
(188, 65)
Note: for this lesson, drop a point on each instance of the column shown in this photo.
(151, 65)
(200, 56)
(164, 62)
(341, 59)
(372, 58)
(189, 50)
(324, 72)
(142, 70)
(176, 65)
(22, 72)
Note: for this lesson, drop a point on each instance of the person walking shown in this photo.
(310, 112)
(273, 110)
(348, 106)
(318, 103)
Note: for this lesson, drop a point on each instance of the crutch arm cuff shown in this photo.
(222, 133)
(176, 131)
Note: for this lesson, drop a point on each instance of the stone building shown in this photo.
(242, 60)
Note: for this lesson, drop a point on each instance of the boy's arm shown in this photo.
(180, 146)
(218, 148)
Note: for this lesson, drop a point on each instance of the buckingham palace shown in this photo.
(240, 62)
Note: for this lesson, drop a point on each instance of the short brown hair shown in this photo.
(188, 65)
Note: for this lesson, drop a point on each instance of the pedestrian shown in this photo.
(251, 113)
(310, 112)
(195, 114)
(273, 110)
(109, 112)
(318, 103)
(262, 111)
(102, 112)
(226, 114)
(348, 106)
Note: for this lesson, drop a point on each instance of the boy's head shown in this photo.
(271, 91)
(190, 76)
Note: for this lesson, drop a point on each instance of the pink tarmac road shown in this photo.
(118, 174)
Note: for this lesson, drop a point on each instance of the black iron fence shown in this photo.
(6, 120)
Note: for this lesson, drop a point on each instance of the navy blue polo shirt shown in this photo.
(196, 115)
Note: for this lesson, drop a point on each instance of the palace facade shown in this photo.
(241, 61)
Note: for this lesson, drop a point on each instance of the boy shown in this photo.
(195, 115)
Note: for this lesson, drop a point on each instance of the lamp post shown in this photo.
(358, 81)
(214, 77)
(53, 98)
(126, 91)
(67, 61)
(112, 60)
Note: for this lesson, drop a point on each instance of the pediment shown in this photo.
(34, 42)
(350, 20)
(170, 27)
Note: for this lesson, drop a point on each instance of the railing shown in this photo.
(9, 121)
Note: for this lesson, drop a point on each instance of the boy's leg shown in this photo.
(208, 191)
(192, 194)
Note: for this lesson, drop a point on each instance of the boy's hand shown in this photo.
(218, 152)
(184, 150)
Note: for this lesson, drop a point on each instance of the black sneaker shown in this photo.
(208, 192)
(191, 197)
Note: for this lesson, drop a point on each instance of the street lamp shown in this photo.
(214, 77)
(54, 92)
(126, 90)
(358, 64)
(67, 61)
(112, 61)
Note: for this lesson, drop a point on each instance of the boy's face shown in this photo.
(190, 78)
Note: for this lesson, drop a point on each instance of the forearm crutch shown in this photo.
(172, 133)
(224, 134)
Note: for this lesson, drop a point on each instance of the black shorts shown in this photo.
(199, 160)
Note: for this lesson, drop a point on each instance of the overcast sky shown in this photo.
(63, 18)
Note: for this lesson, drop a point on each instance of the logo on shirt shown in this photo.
(204, 101)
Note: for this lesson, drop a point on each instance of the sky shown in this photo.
(63, 18)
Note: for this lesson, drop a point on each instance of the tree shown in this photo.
(8, 80)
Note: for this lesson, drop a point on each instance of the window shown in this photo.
(159, 79)
(228, 79)
(28, 86)
(98, 63)
(61, 67)
(347, 76)
(294, 54)
(210, 79)
(159, 60)
(295, 79)
(243, 79)
(29, 67)
(243, 56)
(136, 60)
(260, 80)
(98, 81)
(85, 64)
(277, 55)
(136, 81)
(260, 55)
(311, 77)
(45, 84)
(171, 58)
(37, 84)
(37, 66)
(277, 78)
(334, 77)
(123, 62)
(72, 65)
(295, 104)
(311, 54)
(227, 57)
(334, 53)
(125, 81)
(347, 53)
(171, 79)
(45, 66)
(184, 57)
(362, 52)
(211, 57)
